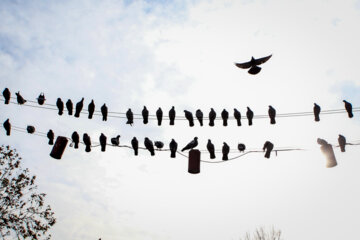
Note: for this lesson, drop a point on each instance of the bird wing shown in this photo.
(262, 60)
(244, 65)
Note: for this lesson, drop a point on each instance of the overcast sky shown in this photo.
(128, 54)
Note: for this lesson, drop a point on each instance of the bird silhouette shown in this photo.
(41, 99)
(253, 64)
(191, 144)
(102, 140)
(189, 117)
(211, 148)
(342, 142)
(78, 108)
(172, 115)
(7, 126)
(76, 139)
(249, 115)
(87, 142)
(159, 145)
(135, 145)
(60, 106)
(225, 152)
(19, 98)
(104, 112)
(116, 140)
(348, 108)
(50, 136)
(69, 106)
(91, 109)
(272, 114)
(241, 147)
(30, 129)
(317, 110)
(268, 146)
(199, 115)
(145, 114)
(237, 116)
(159, 115)
(173, 148)
(212, 117)
(149, 146)
(225, 117)
(7, 94)
(130, 117)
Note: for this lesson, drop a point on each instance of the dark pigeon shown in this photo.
(173, 148)
(78, 108)
(87, 142)
(104, 112)
(237, 116)
(20, 99)
(50, 136)
(189, 117)
(91, 109)
(145, 114)
(272, 114)
(159, 145)
(159, 115)
(69, 106)
(191, 144)
(268, 146)
(225, 152)
(241, 147)
(116, 140)
(225, 117)
(130, 117)
(149, 146)
(342, 142)
(30, 129)
(76, 139)
(253, 64)
(60, 106)
(41, 99)
(317, 111)
(212, 117)
(249, 115)
(102, 140)
(211, 148)
(172, 115)
(348, 108)
(199, 115)
(135, 145)
(7, 127)
(7, 95)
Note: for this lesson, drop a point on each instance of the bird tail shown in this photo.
(317, 118)
(88, 148)
(145, 121)
(350, 114)
(7, 101)
(225, 157)
(191, 123)
(173, 154)
(76, 145)
(183, 149)
(212, 155)
(267, 154)
(172, 122)
(225, 122)
(51, 142)
(272, 121)
(250, 122)
(211, 123)
(103, 147)
(135, 152)
(342, 148)
(152, 153)
(8, 132)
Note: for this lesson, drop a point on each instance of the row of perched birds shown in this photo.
(159, 113)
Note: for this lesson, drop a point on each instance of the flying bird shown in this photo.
(253, 64)
(7, 126)
(130, 117)
(173, 148)
(60, 106)
(189, 117)
(50, 136)
(159, 145)
(237, 116)
(149, 146)
(268, 146)
(78, 108)
(87, 142)
(211, 148)
(7, 95)
(212, 117)
(241, 147)
(69, 106)
(191, 144)
(342, 142)
(41, 99)
(348, 108)
(135, 145)
(104, 112)
(76, 139)
(102, 140)
(225, 117)
(159, 115)
(116, 140)
(317, 111)
(272, 114)
(172, 115)
(91, 109)
(19, 98)
(225, 151)
(249, 115)
(199, 115)
(145, 114)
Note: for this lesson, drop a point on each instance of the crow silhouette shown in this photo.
(225, 151)
(225, 117)
(87, 142)
(7, 95)
(149, 146)
(172, 115)
(317, 110)
(348, 108)
(69, 106)
(272, 114)
(237, 116)
(189, 117)
(50, 136)
(145, 114)
(253, 64)
(191, 144)
(76, 139)
(104, 112)
(211, 148)
(173, 148)
(135, 145)
(78, 108)
(91, 109)
(60, 106)
(212, 117)
(159, 115)
(102, 140)
(249, 115)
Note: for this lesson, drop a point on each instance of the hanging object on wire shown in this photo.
(253, 64)
(211, 148)
(59, 147)
(317, 110)
(7, 127)
(328, 151)
(30, 129)
(241, 147)
(189, 117)
(78, 108)
(135, 145)
(342, 142)
(225, 152)
(272, 114)
(102, 140)
(159, 115)
(116, 140)
(268, 146)
(172, 115)
(191, 144)
(149, 146)
(237, 116)
(249, 116)
(91, 109)
(130, 117)
(76, 139)
(87, 142)
(7, 94)
(199, 115)
(194, 161)
(212, 117)
(104, 112)
(225, 117)
(60, 106)
(173, 148)
(41, 99)
(69, 106)
(19, 98)
(145, 115)
(50, 135)
(348, 108)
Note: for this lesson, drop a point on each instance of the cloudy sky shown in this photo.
(128, 54)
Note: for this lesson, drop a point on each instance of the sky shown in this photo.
(128, 54)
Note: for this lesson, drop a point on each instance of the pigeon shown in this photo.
(116, 140)
(19, 98)
(172, 115)
(272, 114)
(104, 112)
(210, 147)
(60, 106)
(159, 145)
(159, 115)
(249, 115)
(253, 64)
(30, 129)
(41, 99)
(173, 148)
(87, 142)
(348, 108)
(75, 138)
(342, 142)
(322, 142)
(130, 117)
(199, 115)
(149, 146)
(237, 116)
(102, 140)
(191, 144)
(145, 114)
(225, 151)
(7, 127)
(317, 110)
(241, 147)
(7, 95)
(225, 117)
(268, 146)
(189, 117)
(78, 108)
(212, 116)
(135, 145)
(69, 106)
(50, 136)
(91, 109)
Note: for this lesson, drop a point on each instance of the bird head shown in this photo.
(118, 136)
(196, 138)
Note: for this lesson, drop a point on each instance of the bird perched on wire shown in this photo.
(272, 114)
(173, 148)
(104, 112)
(191, 144)
(76, 139)
(211, 148)
(69, 106)
(249, 115)
(348, 108)
(91, 109)
(50, 135)
(102, 140)
(145, 115)
(130, 117)
(60, 106)
(237, 116)
(342, 142)
(199, 115)
(78, 108)
(159, 145)
(253, 64)
(212, 117)
(41, 99)
(159, 115)
(19, 98)
(149, 146)
(7, 94)
(225, 117)
(87, 142)
(116, 140)
(172, 115)
(241, 147)
(268, 146)
(7, 126)
(317, 110)
(135, 145)
(189, 117)
(225, 151)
